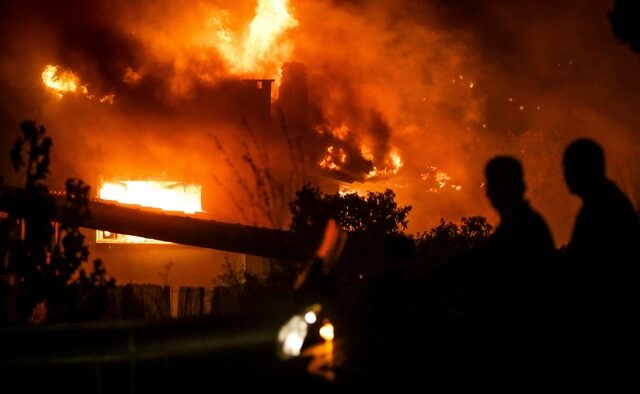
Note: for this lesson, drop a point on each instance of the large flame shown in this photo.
(168, 196)
(262, 45)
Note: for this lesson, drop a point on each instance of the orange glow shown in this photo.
(393, 164)
(62, 82)
(262, 44)
(396, 161)
(340, 132)
(65, 81)
(344, 189)
(365, 151)
(437, 179)
(442, 178)
(333, 156)
(326, 331)
(107, 98)
(168, 196)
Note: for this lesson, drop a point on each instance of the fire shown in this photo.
(262, 44)
(365, 151)
(396, 161)
(442, 178)
(437, 179)
(64, 82)
(168, 196)
(346, 189)
(333, 156)
(393, 164)
(340, 132)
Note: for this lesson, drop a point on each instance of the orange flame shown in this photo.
(438, 179)
(393, 164)
(65, 81)
(262, 44)
(333, 156)
(61, 83)
(340, 132)
(168, 196)
(396, 162)
(365, 151)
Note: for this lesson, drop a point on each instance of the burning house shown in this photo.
(189, 261)
(244, 105)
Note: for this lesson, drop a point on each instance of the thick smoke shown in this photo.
(445, 84)
(460, 81)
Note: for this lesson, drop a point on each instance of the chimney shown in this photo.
(293, 98)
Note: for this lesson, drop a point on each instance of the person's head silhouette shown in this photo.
(584, 167)
(505, 186)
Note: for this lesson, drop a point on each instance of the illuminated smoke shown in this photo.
(428, 83)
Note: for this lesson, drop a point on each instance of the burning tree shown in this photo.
(40, 264)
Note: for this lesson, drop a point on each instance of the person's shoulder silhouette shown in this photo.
(522, 230)
(607, 226)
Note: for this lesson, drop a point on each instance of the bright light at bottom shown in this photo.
(326, 331)
(292, 335)
(292, 344)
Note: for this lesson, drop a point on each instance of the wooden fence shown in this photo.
(149, 301)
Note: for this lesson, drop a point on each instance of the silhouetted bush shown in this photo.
(448, 240)
(39, 264)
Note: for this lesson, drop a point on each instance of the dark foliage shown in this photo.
(374, 224)
(448, 240)
(38, 263)
(376, 213)
(625, 22)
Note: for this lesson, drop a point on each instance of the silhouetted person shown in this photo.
(508, 290)
(522, 232)
(604, 257)
(607, 229)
